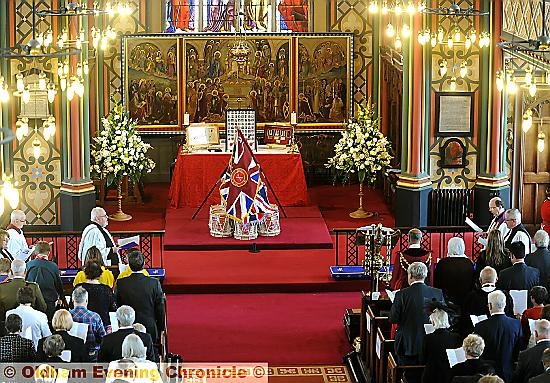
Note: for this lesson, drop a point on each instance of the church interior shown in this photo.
(362, 120)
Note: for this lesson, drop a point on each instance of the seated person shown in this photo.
(473, 346)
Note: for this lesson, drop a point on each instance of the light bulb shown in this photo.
(390, 32)
(36, 148)
(433, 41)
(26, 96)
(421, 39)
(527, 120)
(398, 44)
(82, 35)
(500, 81)
(20, 84)
(109, 10)
(457, 35)
(373, 7)
(463, 69)
(541, 142)
(25, 125)
(468, 43)
(443, 68)
(51, 92)
(473, 35)
(11, 194)
(1, 205)
(440, 35)
(406, 31)
(410, 8)
(42, 81)
(511, 86)
(79, 89)
(78, 44)
(86, 67)
(385, 8)
(450, 42)
(65, 35)
(79, 69)
(19, 134)
(104, 43)
(4, 94)
(60, 70)
(547, 76)
(63, 83)
(65, 68)
(453, 84)
(70, 92)
(60, 41)
(533, 89)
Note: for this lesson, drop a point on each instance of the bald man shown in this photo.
(96, 234)
(529, 361)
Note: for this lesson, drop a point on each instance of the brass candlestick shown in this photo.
(361, 213)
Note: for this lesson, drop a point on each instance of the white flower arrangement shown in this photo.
(118, 150)
(362, 149)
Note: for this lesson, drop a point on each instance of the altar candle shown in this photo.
(293, 118)
(186, 119)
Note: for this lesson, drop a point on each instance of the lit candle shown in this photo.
(293, 118)
(186, 119)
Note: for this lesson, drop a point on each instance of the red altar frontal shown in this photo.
(196, 173)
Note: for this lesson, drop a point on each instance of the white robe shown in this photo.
(521, 237)
(92, 236)
(17, 245)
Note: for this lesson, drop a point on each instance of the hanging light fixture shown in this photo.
(453, 38)
(527, 120)
(541, 142)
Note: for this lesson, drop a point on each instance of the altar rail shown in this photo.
(65, 246)
(349, 242)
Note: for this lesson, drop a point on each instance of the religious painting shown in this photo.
(152, 81)
(324, 79)
(453, 154)
(234, 73)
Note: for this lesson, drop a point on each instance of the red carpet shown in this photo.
(275, 328)
(303, 228)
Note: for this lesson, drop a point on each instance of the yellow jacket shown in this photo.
(106, 278)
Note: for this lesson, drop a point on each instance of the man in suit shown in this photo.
(111, 345)
(517, 232)
(409, 313)
(415, 253)
(144, 295)
(46, 274)
(540, 258)
(545, 376)
(502, 336)
(519, 276)
(8, 290)
(529, 361)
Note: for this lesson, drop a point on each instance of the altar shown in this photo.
(195, 174)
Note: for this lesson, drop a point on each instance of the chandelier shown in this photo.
(460, 34)
(535, 53)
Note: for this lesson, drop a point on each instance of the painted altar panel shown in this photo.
(324, 69)
(152, 83)
(228, 73)
(275, 74)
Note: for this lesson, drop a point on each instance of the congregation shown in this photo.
(471, 302)
(36, 319)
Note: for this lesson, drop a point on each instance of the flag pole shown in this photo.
(210, 192)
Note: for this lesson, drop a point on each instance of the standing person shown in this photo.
(517, 232)
(17, 245)
(496, 208)
(5, 268)
(545, 376)
(437, 368)
(35, 323)
(4, 240)
(415, 253)
(96, 234)
(93, 255)
(81, 314)
(493, 255)
(545, 212)
(540, 258)
(502, 336)
(46, 274)
(529, 361)
(539, 297)
(408, 312)
(455, 273)
(519, 276)
(144, 294)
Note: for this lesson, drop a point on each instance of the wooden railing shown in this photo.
(65, 246)
(349, 243)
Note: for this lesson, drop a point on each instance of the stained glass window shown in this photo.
(237, 15)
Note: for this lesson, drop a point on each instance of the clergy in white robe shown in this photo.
(17, 245)
(96, 234)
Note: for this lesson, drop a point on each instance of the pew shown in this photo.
(383, 346)
(399, 374)
(373, 316)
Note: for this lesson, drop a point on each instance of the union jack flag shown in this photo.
(242, 189)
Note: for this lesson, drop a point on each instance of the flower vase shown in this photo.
(360, 213)
(120, 215)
